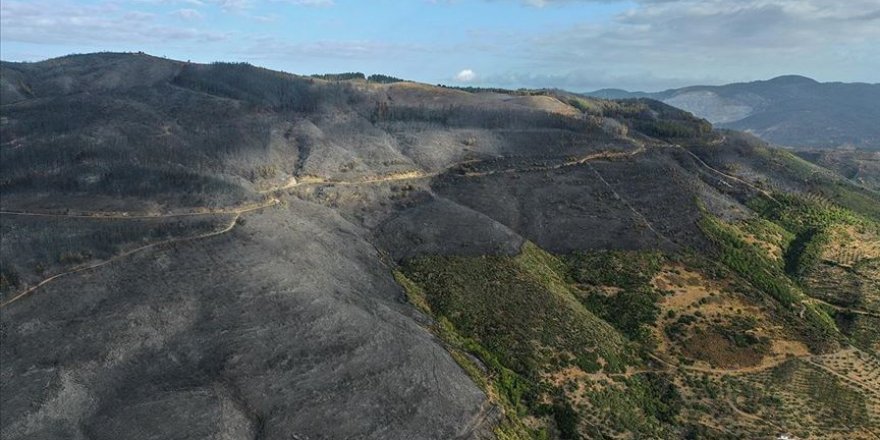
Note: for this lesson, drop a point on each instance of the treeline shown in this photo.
(655, 119)
(384, 79)
(348, 76)
(671, 129)
(471, 89)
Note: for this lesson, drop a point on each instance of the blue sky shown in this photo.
(574, 44)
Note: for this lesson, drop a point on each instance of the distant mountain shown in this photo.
(790, 110)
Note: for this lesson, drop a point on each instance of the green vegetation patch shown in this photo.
(523, 328)
(753, 264)
(520, 309)
(809, 219)
(624, 269)
(630, 311)
(615, 285)
(648, 404)
(384, 79)
(749, 261)
(823, 185)
(345, 76)
(659, 120)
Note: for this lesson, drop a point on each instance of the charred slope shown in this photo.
(245, 253)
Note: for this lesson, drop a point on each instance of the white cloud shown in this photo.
(311, 3)
(349, 50)
(44, 22)
(268, 18)
(664, 43)
(233, 5)
(171, 2)
(187, 14)
(466, 75)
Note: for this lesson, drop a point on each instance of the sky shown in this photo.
(579, 45)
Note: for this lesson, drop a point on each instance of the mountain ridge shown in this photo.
(790, 110)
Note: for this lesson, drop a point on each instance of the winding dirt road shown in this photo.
(722, 173)
(842, 308)
(290, 184)
(235, 216)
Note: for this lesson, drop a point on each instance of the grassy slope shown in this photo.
(544, 356)
(519, 308)
(548, 337)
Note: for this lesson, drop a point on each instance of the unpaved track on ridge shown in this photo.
(290, 184)
(808, 359)
(117, 215)
(602, 155)
(237, 212)
(293, 183)
(844, 309)
(235, 216)
(315, 181)
(700, 161)
(730, 371)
